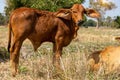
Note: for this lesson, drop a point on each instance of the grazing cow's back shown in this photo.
(108, 59)
(40, 26)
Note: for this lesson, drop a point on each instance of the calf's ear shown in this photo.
(92, 13)
(64, 14)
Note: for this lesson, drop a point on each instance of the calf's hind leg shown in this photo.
(14, 55)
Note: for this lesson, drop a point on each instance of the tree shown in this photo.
(108, 20)
(53, 5)
(117, 20)
(102, 6)
(2, 19)
(89, 22)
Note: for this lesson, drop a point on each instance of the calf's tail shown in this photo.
(9, 37)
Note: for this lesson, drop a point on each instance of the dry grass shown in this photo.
(38, 65)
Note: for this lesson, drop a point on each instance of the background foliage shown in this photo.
(117, 20)
(102, 7)
(90, 23)
(2, 19)
(50, 5)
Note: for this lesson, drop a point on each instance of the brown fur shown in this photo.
(93, 61)
(109, 59)
(40, 26)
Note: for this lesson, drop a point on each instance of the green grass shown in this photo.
(38, 65)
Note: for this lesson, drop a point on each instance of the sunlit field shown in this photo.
(38, 65)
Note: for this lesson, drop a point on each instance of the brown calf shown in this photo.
(40, 26)
(108, 59)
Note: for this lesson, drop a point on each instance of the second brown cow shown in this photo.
(40, 26)
(106, 60)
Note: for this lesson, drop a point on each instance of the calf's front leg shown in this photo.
(57, 49)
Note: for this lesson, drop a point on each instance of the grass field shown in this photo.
(38, 65)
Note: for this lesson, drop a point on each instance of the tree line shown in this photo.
(104, 22)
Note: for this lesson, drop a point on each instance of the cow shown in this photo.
(107, 59)
(40, 26)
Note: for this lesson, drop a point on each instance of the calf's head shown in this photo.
(76, 13)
